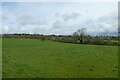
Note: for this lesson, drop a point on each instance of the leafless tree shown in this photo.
(79, 34)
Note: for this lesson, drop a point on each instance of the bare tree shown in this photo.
(79, 34)
(75, 37)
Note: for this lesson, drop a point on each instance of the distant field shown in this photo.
(30, 58)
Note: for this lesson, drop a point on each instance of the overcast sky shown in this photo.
(60, 17)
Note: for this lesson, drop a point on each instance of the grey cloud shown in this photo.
(34, 22)
(69, 16)
(57, 14)
(63, 20)
(24, 19)
(29, 20)
(110, 23)
(109, 19)
(59, 24)
(4, 18)
(105, 25)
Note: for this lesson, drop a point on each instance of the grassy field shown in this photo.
(29, 58)
(0, 58)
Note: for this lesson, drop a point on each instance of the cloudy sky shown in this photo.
(60, 17)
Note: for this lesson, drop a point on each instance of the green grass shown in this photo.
(30, 58)
(0, 58)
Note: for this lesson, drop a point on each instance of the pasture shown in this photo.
(32, 58)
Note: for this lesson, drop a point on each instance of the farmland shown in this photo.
(32, 58)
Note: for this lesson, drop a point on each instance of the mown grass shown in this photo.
(30, 58)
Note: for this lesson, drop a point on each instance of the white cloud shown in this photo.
(61, 18)
(107, 25)
(6, 29)
(42, 29)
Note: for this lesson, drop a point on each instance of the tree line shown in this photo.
(78, 37)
